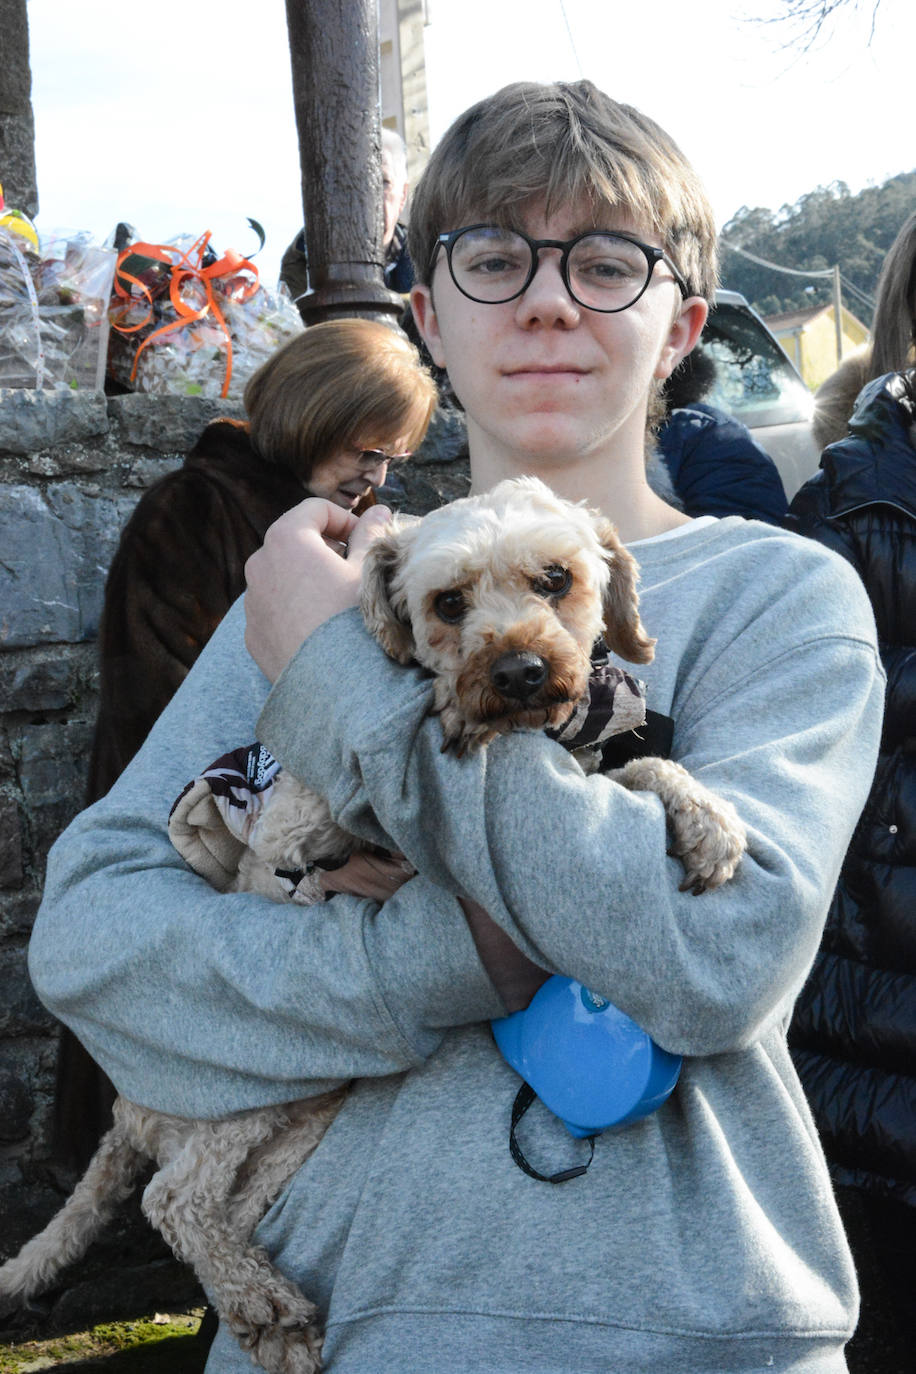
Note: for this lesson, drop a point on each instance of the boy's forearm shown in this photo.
(200, 1003)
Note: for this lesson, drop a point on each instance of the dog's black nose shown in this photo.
(518, 676)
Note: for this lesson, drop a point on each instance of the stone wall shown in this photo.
(72, 466)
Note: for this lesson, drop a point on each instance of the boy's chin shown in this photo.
(547, 443)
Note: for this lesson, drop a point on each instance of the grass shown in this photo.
(149, 1345)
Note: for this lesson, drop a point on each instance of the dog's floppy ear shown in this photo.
(622, 626)
(391, 629)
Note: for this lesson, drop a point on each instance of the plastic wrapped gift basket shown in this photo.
(187, 321)
(54, 296)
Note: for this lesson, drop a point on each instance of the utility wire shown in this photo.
(792, 272)
(863, 297)
(795, 272)
(572, 41)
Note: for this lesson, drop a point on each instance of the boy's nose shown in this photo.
(546, 300)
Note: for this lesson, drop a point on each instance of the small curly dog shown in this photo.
(502, 598)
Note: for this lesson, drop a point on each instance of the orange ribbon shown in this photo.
(184, 265)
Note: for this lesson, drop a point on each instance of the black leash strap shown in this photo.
(523, 1100)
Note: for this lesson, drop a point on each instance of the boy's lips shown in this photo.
(546, 370)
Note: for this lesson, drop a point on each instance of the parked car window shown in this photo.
(755, 381)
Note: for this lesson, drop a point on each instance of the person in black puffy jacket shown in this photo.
(853, 1035)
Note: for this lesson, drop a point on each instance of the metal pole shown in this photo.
(17, 124)
(333, 48)
(838, 313)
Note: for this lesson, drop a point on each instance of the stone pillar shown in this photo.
(334, 57)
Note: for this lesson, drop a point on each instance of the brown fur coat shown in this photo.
(179, 567)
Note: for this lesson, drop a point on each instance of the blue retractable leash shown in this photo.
(588, 1062)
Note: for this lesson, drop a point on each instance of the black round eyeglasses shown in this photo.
(601, 271)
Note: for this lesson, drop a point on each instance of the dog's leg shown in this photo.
(709, 837)
(108, 1180)
(188, 1202)
(269, 1168)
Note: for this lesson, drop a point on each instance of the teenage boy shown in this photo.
(565, 254)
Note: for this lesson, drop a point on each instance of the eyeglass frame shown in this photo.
(372, 457)
(652, 254)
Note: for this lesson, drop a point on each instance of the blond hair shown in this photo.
(892, 347)
(564, 143)
(348, 383)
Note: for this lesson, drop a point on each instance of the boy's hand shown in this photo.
(307, 570)
(368, 875)
(512, 973)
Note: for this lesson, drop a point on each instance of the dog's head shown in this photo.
(502, 597)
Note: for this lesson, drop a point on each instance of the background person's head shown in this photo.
(892, 347)
(560, 144)
(336, 402)
(894, 327)
(394, 182)
(691, 380)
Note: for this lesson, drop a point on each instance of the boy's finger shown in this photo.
(330, 521)
(368, 528)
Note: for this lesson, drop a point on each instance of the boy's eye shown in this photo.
(553, 581)
(488, 253)
(607, 269)
(606, 263)
(450, 607)
(492, 265)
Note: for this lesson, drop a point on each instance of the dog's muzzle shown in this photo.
(518, 676)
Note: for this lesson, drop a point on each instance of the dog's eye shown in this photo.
(450, 607)
(553, 581)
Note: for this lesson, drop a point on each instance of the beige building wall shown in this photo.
(812, 344)
(402, 75)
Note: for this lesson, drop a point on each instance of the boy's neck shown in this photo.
(618, 487)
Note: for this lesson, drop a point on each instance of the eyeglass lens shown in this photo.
(371, 457)
(606, 272)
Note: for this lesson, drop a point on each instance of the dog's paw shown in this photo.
(278, 1325)
(459, 736)
(708, 835)
(709, 840)
(288, 1350)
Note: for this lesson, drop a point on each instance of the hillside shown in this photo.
(827, 226)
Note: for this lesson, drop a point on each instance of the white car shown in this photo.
(757, 384)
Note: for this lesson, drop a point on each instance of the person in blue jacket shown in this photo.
(715, 465)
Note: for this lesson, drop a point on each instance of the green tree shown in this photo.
(826, 226)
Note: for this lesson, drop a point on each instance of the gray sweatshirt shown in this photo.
(703, 1238)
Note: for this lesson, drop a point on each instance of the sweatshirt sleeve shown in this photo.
(199, 1003)
(575, 869)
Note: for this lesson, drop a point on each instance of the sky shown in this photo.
(177, 115)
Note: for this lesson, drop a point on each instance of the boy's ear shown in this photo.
(424, 314)
(685, 330)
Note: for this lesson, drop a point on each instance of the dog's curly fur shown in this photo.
(501, 597)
